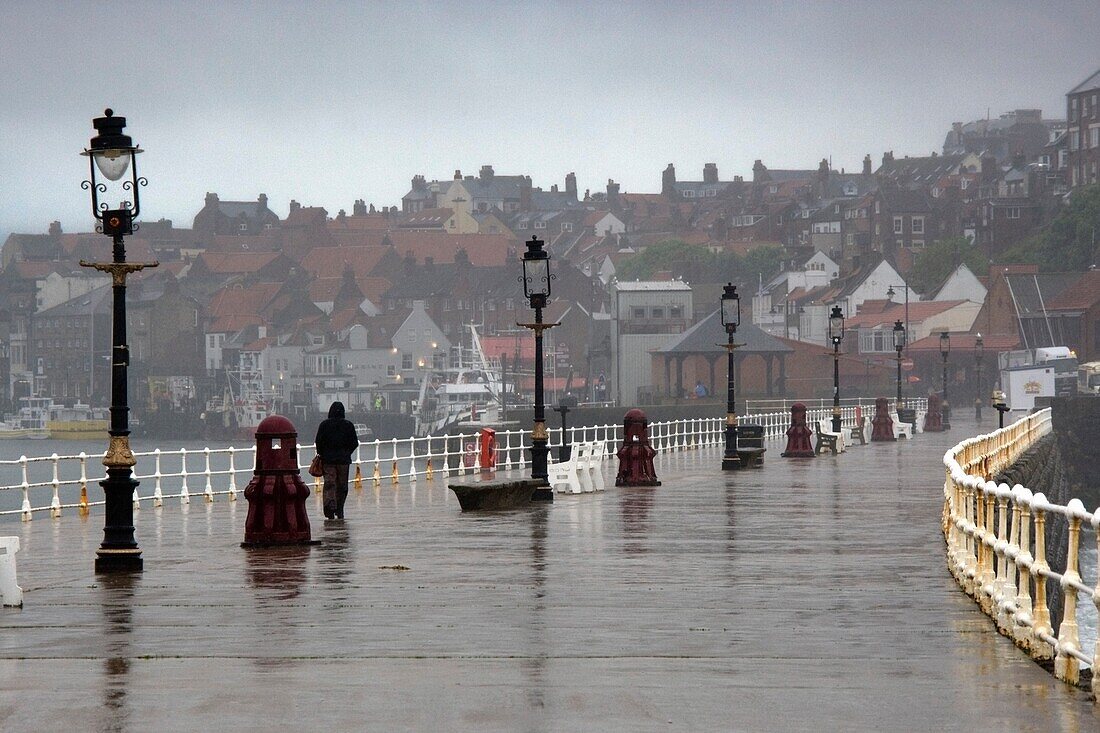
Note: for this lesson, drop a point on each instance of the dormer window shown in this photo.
(540, 224)
(567, 226)
(243, 226)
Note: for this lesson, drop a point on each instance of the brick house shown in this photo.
(1083, 131)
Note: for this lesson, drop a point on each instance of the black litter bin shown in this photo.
(750, 445)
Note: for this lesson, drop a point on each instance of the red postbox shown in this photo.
(276, 494)
(488, 449)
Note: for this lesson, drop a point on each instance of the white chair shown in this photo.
(595, 462)
(901, 429)
(10, 592)
(918, 426)
(580, 458)
(564, 474)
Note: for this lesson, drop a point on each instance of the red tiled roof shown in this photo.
(1082, 295)
(233, 323)
(484, 250)
(965, 342)
(329, 262)
(238, 301)
(236, 262)
(378, 222)
(918, 311)
(228, 243)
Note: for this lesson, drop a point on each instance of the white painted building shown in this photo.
(643, 316)
(962, 284)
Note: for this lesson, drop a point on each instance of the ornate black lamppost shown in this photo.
(945, 349)
(113, 152)
(731, 319)
(979, 351)
(536, 288)
(836, 335)
(1000, 406)
(899, 344)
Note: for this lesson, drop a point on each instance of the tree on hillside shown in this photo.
(1071, 242)
(940, 259)
(696, 263)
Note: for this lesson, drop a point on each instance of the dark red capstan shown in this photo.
(798, 434)
(276, 494)
(636, 454)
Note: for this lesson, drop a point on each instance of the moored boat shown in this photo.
(78, 422)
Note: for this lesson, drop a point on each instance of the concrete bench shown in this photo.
(828, 439)
(10, 592)
(901, 429)
(495, 495)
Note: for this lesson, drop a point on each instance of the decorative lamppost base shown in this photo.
(543, 493)
(118, 561)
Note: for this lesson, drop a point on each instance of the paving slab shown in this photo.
(810, 595)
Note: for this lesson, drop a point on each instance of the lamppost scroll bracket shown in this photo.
(118, 270)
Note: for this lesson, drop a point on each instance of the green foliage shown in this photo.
(1071, 242)
(940, 259)
(697, 264)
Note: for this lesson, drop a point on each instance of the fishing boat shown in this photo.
(29, 423)
(78, 422)
(465, 394)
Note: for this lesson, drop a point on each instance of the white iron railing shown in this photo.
(996, 547)
(57, 483)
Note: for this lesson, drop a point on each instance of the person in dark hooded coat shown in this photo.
(336, 441)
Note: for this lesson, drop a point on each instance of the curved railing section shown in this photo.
(57, 483)
(996, 547)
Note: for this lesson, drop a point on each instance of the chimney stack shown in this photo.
(524, 191)
(55, 228)
(360, 208)
(867, 164)
(710, 173)
(668, 180)
(458, 174)
(571, 185)
(888, 157)
(294, 206)
(759, 170)
(486, 173)
(612, 195)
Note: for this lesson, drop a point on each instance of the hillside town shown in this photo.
(410, 309)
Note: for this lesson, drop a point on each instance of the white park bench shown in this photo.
(901, 429)
(582, 473)
(10, 592)
(856, 433)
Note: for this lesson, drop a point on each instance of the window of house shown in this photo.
(918, 243)
(877, 211)
(712, 192)
(773, 189)
(1094, 133)
(918, 225)
(657, 313)
(483, 207)
(406, 361)
(637, 312)
(243, 227)
(540, 224)
(898, 226)
(689, 194)
(412, 335)
(567, 226)
(1013, 212)
(521, 225)
(675, 311)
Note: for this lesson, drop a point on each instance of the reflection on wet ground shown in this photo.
(783, 598)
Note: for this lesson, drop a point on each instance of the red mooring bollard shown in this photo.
(276, 494)
(798, 434)
(882, 427)
(636, 454)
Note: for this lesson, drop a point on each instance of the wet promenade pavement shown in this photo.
(811, 595)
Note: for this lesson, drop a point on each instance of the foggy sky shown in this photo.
(328, 102)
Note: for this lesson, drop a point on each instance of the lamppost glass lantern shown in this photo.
(979, 346)
(731, 308)
(730, 314)
(836, 325)
(536, 274)
(945, 344)
(113, 153)
(899, 336)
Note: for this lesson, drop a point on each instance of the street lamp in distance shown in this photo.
(731, 319)
(945, 349)
(836, 335)
(899, 345)
(979, 352)
(1001, 406)
(536, 281)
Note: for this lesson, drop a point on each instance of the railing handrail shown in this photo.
(990, 531)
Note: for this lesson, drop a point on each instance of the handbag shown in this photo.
(316, 467)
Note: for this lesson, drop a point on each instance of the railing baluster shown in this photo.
(25, 512)
(158, 497)
(185, 496)
(232, 474)
(55, 503)
(1066, 666)
(208, 492)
